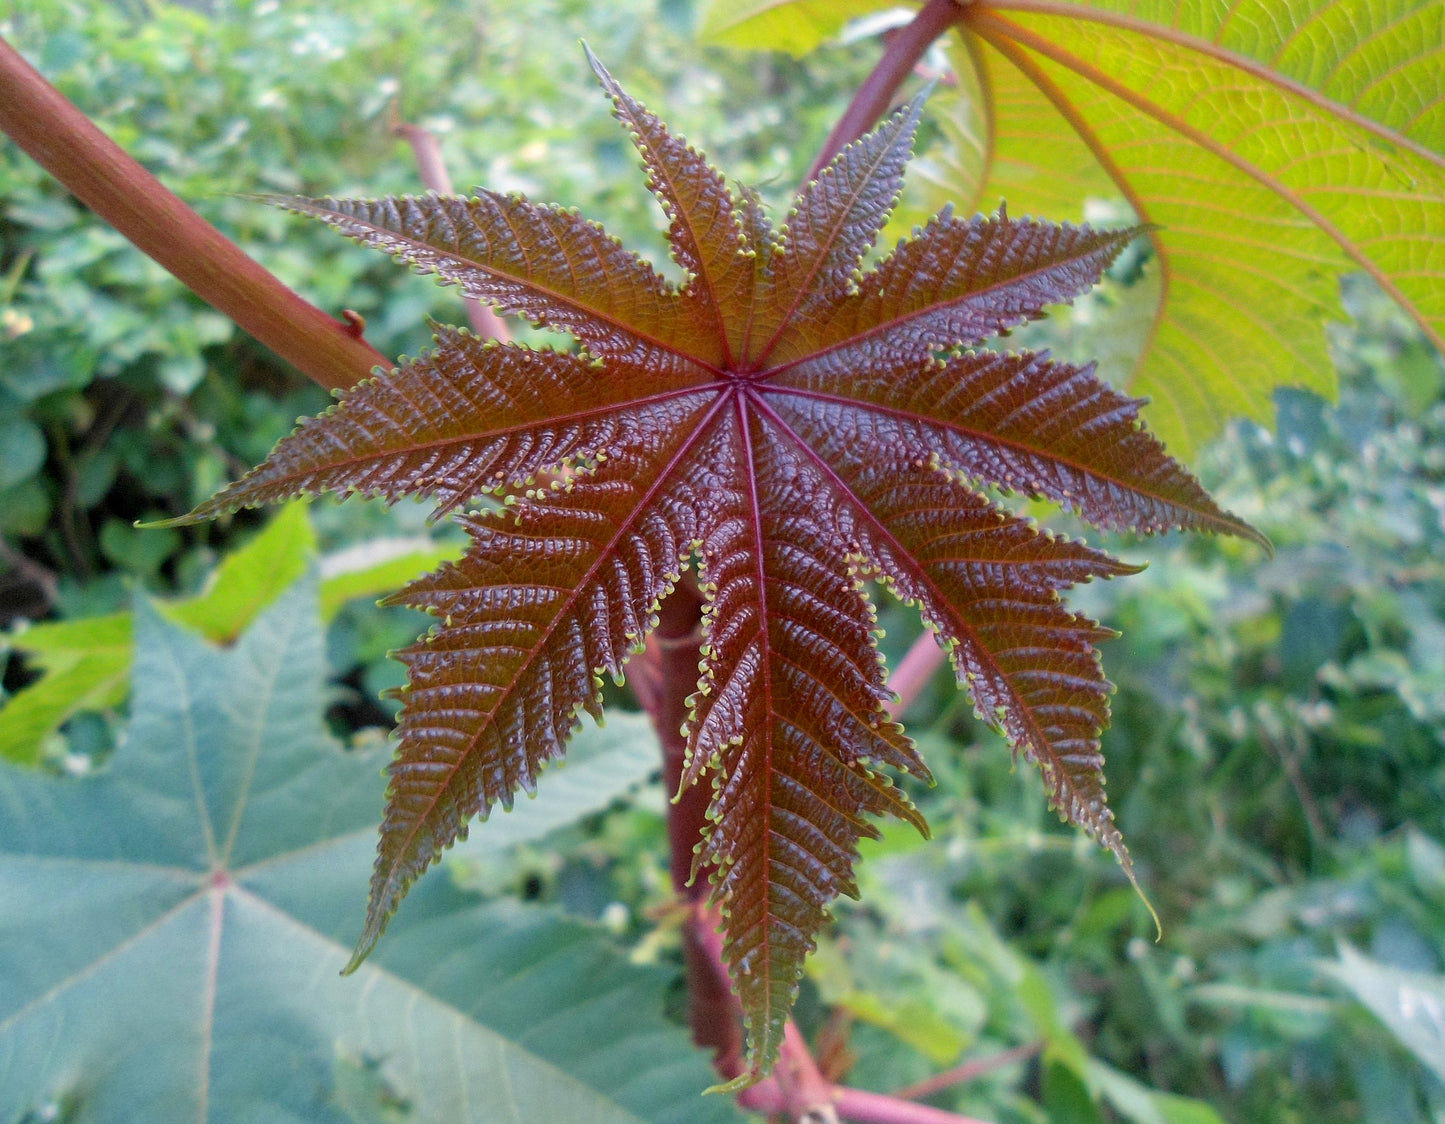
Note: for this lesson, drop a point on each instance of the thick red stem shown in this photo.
(905, 48)
(102, 176)
(668, 676)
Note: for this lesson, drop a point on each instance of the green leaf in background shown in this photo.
(795, 26)
(603, 764)
(22, 450)
(376, 567)
(904, 991)
(1066, 1098)
(1140, 1104)
(82, 665)
(249, 580)
(1410, 1004)
(85, 664)
(174, 927)
(1276, 143)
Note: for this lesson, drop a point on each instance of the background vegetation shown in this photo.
(1276, 757)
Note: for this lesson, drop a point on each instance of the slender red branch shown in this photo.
(914, 671)
(905, 47)
(878, 1108)
(968, 1071)
(432, 168)
(60, 138)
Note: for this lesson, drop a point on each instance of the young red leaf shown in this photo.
(797, 428)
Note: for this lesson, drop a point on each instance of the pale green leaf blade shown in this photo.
(1410, 1004)
(603, 764)
(795, 26)
(175, 925)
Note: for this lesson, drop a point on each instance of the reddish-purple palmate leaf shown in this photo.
(791, 424)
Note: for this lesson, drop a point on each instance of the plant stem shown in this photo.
(668, 676)
(914, 671)
(433, 171)
(905, 47)
(968, 1071)
(60, 138)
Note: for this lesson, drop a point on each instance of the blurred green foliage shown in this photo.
(1277, 759)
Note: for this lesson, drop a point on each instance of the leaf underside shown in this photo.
(1276, 144)
(791, 426)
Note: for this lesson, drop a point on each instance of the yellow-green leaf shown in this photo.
(1277, 143)
(795, 26)
(83, 665)
(249, 580)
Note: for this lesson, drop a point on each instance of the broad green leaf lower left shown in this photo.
(173, 928)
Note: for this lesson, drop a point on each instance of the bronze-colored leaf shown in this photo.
(797, 428)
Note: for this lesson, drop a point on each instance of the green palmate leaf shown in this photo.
(1277, 145)
(1274, 143)
(169, 944)
(790, 425)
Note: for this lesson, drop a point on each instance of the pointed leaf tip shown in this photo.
(745, 1080)
(603, 75)
(375, 926)
(1127, 865)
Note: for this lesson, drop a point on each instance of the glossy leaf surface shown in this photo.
(789, 424)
